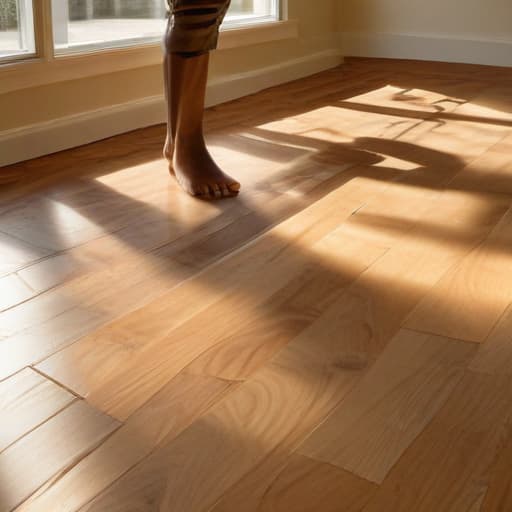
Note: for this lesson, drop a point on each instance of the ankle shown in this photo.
(189, 144)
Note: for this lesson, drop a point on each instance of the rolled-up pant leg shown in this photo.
(194, 25)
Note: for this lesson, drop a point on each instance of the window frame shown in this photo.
(46, 66)
(41, 39)
(241, 21)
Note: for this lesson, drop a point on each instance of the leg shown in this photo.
(185, 83)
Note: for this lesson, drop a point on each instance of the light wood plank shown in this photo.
(451, 138)
(447, 468)
(26, 400)
(470, 299)
(134, 282)
(499, 491)
(62, 316)
(29, 346)
(91, 367)
(15, 253)
(274, 409)
(494, 356)
(303, 485)
(336, 261)
(163, 418)
(49, 450)
(95, 357)
(14, 291)
(394, 402)
(472, 218)
(491, 172)
(405, 157)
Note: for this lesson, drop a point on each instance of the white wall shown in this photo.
(475, 31)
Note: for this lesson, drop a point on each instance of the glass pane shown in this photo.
(16, 28)
(88, 24)
(240, 9)
(105, 23)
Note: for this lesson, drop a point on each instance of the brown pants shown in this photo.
(194, 25)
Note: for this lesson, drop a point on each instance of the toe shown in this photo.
(225, 190)
(216, 190)
(234, 186)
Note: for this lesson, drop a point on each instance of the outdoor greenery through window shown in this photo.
(16, 28)
(79, 24)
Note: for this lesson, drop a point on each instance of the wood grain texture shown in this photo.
(304, 485)
(14, 291)
(276, 408)
(16, 253)
(491, 172)
(470, 299)
(499, 491)
(228, 336)
(494, 356)
(120, 389)
(49, 450)
(176, 244)
(26, 400)
(452, 457)
(401, 394)
(334, 262)
(167, 414)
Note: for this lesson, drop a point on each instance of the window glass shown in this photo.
(88, 24)
(16, 28)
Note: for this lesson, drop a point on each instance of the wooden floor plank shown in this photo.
(491, 172)
(452, 457)
(335, 261)
(163, 418)
(470, 299)
(104, 381)
(16, 253)
(394, 402)
(49, 450)
(494, 356)
(499, 491)
(14, 290)
(26, 400)
(226, 333)
(274, 409)
(303, 485)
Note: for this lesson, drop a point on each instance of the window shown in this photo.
(16, 28)
(80, 25)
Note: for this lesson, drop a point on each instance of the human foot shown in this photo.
(198, 174)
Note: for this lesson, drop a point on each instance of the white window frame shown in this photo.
(26, 36)
(45, 66)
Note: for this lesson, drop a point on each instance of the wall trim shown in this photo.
(47, 137)
(432, 47)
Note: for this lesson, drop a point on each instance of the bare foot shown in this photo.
(197, 173)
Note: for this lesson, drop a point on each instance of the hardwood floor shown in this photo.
(337, 338)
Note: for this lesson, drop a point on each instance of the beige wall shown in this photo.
(487, 19)
(317, 26)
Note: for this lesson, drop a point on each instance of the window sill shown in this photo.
(36, 72)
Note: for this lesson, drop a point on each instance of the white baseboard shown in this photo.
(427, 47)
(67, 132)
(75, 130)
